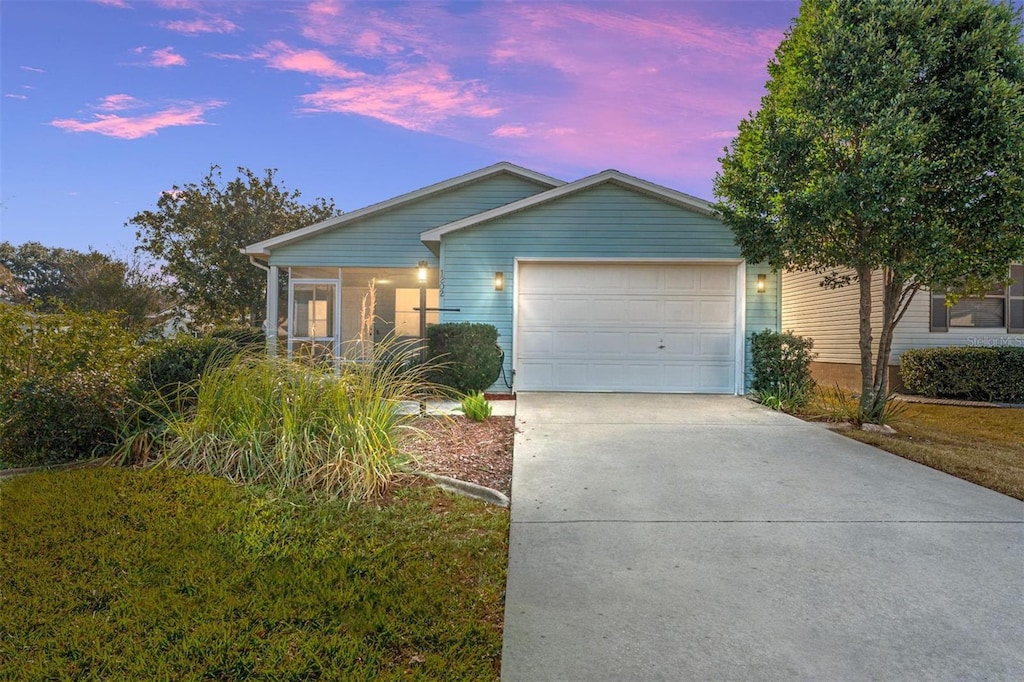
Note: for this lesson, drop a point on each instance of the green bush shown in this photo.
(466, 354)
(63, 383)
(781, 369)
(169, 374)
(244, 337)
(972, 373)
(57, 418)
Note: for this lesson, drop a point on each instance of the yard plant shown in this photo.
(112, 574)
(270, 421)
(781, 367)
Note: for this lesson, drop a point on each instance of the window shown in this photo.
(999, 309)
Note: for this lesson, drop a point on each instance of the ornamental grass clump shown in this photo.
(271, 421)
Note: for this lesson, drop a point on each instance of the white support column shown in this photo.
(271, 331)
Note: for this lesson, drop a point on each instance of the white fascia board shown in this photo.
(264, 247)
(670, 195)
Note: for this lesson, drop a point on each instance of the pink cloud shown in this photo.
(510, 130)
(113, 3)
(134, 127)
(281, 57)
(14, 96)
(118, 102)
(417, 99)
(202, 25)
(166, 57)
(33, 69)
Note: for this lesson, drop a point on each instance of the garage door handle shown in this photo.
(661, 344)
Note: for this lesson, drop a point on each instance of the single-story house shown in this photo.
(829, 317)
(608, 283)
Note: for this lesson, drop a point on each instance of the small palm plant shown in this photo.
(476, 407)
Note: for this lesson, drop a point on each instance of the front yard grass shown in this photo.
(162, 574)
(978, 444)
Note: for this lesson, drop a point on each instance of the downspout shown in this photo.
(269, 329)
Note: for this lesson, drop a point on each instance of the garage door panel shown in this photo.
(681, 311)
(718, 312)
(645, 311)
(718, 346)
(626, 327)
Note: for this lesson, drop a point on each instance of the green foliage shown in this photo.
(63, 383)
(198, 229)
(173, 367)
(162, 574)
(61, 417)
(838, 405)
(994, 374)
(889, 140)
(261, 420)
(469, 353)
(476, 407)
(781, 369)
(57, 279)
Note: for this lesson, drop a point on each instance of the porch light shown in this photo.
(421, 273)
(499, 281)
(762, 283)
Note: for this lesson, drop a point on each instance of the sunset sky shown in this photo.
(107, 103)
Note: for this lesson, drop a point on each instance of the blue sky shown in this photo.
(107, 103)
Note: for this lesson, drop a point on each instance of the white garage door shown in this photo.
(626, 327)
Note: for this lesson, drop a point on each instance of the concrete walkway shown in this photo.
(659, 537)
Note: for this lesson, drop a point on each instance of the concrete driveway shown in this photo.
(705, 538)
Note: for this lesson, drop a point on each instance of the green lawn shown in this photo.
(161, 574)
(978, 444)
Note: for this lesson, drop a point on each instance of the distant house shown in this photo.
(829, 316)
(607, 283)
(168, 324)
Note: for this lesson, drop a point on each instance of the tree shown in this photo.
(890, 144)
(55, 278)
(198, 229)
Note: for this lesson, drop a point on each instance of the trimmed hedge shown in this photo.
(467, 354)
(971, 373)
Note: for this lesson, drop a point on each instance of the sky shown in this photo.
(105, 104)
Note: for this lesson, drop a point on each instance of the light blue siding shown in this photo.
(392, 238)
(606, 221)
(762, 311)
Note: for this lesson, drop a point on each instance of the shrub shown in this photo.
(466, 354)
(243, 337)
(63, 417)
(781, 369)
(976, 373)
(63, 383)
(174, 366)
(271, 421)
(476, 407)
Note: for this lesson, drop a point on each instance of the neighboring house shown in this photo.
(168, 324)
(608, 283)
(829, 316)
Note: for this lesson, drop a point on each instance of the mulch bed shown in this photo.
(477, 452)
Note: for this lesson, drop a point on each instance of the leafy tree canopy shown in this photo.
(55, 278)
(891, 140)
(197, 230)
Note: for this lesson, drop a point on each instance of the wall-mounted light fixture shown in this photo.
(499, 281)
(421, 273)
(762, 283)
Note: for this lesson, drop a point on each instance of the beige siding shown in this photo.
(830, 318)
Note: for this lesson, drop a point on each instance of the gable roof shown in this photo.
(263, 248)
(433, 236)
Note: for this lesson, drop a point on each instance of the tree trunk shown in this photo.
(897, 295)
(867, 386)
